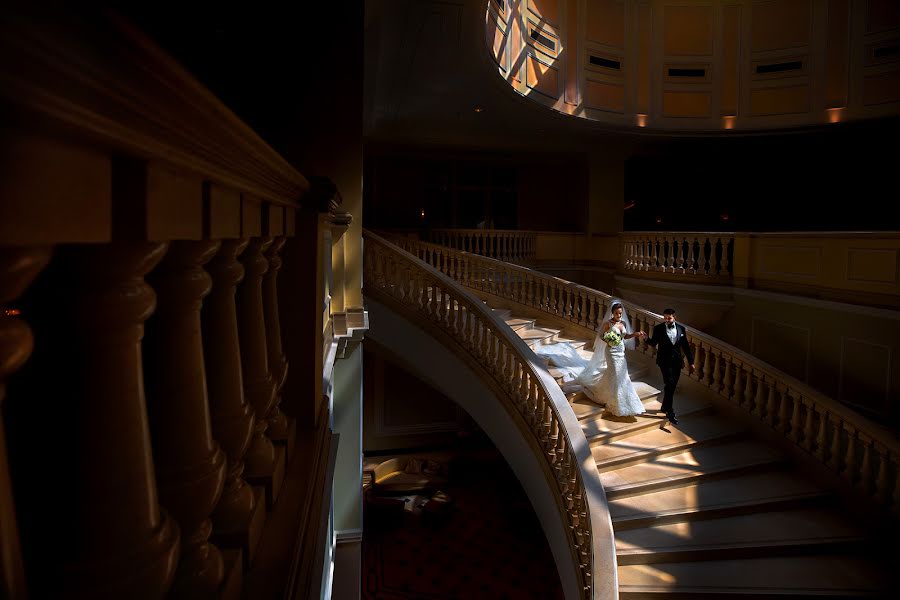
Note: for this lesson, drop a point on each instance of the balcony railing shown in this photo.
(517, 247)
(864, 453)
(684, 253)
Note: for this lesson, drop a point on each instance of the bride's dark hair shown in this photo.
(615, 306)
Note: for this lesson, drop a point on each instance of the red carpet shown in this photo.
(489, 544)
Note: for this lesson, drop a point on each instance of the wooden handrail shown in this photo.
(109, 84)
(862, 451)
(535, 399)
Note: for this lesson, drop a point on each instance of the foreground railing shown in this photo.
(536, 399)
(142, 229)
(507, 245)
(865, 454)
(685, 253)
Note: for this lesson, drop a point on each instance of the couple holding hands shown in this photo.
(605, 380)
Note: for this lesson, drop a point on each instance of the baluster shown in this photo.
(809, 424)
(707, 365)
(850, 457)
(727, 382)
(834, 458)
(796, 429)
(822, 437)
(90, 484)
(18, 268)
(466, 275)
(655, 249)
(691, 257)
(707, 257)
(771, 401)
(233, 419)
(739, 394)
(583, 309)
(259, 387)
(726, 267)
(715, 252)
(679, 254)
(865, 471)
(670, 261)
(716, 379)
(759, 401)
(784, 424)
(190, 467)
(881, 480)
(279, 427)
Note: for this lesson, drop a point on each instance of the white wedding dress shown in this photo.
(604, 379)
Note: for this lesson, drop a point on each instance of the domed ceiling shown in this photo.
(701, 65)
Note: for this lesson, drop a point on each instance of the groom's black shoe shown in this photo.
(671, 418)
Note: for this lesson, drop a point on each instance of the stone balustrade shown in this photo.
(683, 253)
(861, 451)
(428, 287)
(512, 246)
(844, 266)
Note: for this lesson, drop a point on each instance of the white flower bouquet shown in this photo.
(612, 338)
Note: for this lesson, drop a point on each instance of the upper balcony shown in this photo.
(694, 66)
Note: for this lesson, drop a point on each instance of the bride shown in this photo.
(604, 379)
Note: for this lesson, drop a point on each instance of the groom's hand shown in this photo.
(690, 369)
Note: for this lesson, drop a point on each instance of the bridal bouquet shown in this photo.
(612, 337)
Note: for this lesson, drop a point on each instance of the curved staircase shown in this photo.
(704, 509)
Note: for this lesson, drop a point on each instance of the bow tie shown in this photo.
(670, 325)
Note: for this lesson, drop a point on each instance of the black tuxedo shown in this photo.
(670, 358)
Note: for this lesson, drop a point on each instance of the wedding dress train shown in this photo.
(604, 379)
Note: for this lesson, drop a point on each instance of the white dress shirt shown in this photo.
(672, 332)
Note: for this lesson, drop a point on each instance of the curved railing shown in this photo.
(508, 245)
(534, 397)
(861, 451)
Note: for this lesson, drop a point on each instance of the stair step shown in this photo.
(799, 531)
(648, 443)
(714, 498)
(839, 576)
(516, 323)
(577, 344)
(647, 393)
(705, 462)
(585, 408)
(538, 335)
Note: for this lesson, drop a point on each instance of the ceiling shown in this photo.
(431, 80)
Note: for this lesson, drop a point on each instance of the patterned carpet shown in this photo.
(488, 544)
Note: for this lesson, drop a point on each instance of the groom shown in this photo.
(670, 341)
